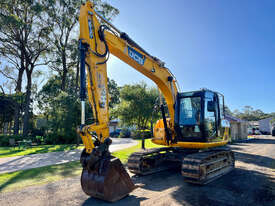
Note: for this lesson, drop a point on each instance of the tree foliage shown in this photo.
(137, 105)
(113, 93)
(24, 33)
(63, 17)
(34, 33)
(61, 109)
(8, 107)
(249, 114)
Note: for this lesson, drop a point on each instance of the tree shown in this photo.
(61, 109)
(227, 110)
(7, 109)
(249, 114)
(113, 93)
(137, 105)
(15, 77)
(64, 17)
(24, 39)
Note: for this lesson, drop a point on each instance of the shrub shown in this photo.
(39, 139)
(125, 133)
(4, 139)
(50, 139)
(56, 138)
(138, 134)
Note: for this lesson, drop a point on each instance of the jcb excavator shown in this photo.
(194, 132)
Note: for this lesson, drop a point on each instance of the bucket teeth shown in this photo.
(108, 180)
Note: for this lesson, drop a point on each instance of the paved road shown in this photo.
(11, 164)
(251, 183)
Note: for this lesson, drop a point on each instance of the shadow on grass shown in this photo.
(10, 151)
(38, 175)
(53, 148)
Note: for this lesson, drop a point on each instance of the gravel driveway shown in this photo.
(251, 183)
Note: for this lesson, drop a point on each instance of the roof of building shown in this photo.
(232, 118)
(266, 119)
(254, 123)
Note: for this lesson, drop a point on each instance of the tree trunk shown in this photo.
(10, 127)
(65, 72)
(152, 128)
(16, 119)
(27, 104)
(77, 75)
(6, 125)
(19, 80)
(18, 89)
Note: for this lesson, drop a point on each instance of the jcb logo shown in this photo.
(139, 58)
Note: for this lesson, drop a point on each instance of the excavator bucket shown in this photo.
(108, 180)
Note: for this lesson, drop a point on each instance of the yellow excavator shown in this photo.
(194, 131)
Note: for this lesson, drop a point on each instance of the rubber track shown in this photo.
(204, 167)
(137, 160)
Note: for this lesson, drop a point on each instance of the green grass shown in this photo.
(36, 176)
(125, 153)
(16, 180)
(10, 151)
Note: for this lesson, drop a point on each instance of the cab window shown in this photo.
(190, 111)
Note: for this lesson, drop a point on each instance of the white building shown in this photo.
(238, 127)
(265, 125)
(113, 125)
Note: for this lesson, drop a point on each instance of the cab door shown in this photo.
(211, 115)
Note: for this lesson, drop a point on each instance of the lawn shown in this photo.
(36, 176)
(19, 179)
(10, 151)
(124, 154)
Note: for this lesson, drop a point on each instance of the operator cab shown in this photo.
(198, 116)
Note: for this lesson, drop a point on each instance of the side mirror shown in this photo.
(210, 106)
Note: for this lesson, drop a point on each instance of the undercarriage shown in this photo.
(199, 167)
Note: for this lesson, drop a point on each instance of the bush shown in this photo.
(50, 139)
(125, 133)
(37, 132)
(39, 139)
(4, 139)
(138, 134)
(55, 138)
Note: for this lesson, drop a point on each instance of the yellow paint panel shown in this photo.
(192, 145)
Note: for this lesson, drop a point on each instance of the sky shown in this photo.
(226, 46)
